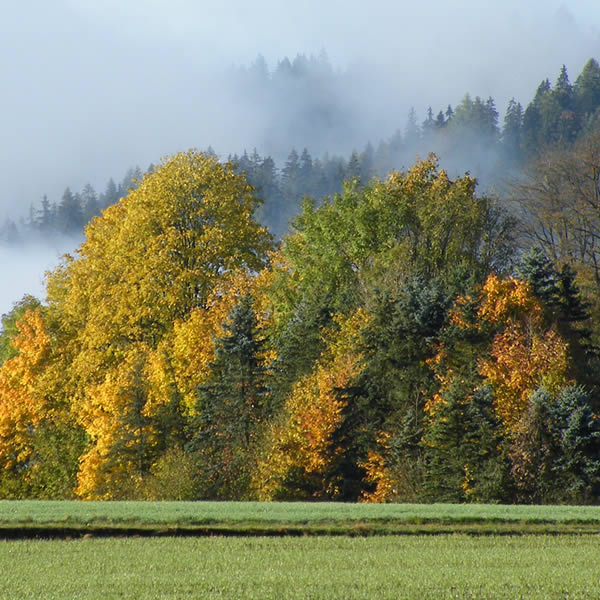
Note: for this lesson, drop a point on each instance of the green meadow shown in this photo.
(386, 567)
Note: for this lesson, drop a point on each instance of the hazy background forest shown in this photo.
(91, 92)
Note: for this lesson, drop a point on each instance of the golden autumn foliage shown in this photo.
(525, 354)
(507, 300)
(378, 472)
(121, 435)
(142, 300)
(525, 351)
(183, 358)
(22, 403)
(183, 355)
(301, 439)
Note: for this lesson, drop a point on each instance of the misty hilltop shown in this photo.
(90, 89)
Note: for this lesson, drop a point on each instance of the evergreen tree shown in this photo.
(367, 163)
(463, 447)
(556, 450)
(537, 269)
(587, 88)
(290, 176)
(110, 196)
(70, 213)
(89, 202)
(533, 121)
(353, 169)
(9, 234)
(412, 132)
(305, 173)
(531, 139)
(566, 309)
(512, 132)
(440, 121)
(390, 392)
(46, 217)
(449, 113)
(563, 90)
(577, 431)
(429, 123)
(231, 406)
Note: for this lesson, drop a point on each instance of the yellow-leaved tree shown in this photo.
(150, 266)
(22, 407)
(39, 441)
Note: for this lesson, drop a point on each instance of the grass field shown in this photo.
(416, 567)
(290, 517)
(321, 550)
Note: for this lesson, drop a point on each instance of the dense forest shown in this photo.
(409, 338)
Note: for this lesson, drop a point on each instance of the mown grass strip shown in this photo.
(207, 513)
(29, 519)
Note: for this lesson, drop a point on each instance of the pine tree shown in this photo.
(577, 431)
(429, 123)
(412, 131)
(367, 163)
(110, 195)
(89, 201)
(290, 175)
(537, 269)
(353, 168)
(566, 309)
(9, 234)
(463, 444)
(305, 173)
(563, 89)
(45, 218)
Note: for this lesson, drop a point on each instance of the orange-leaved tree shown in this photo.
(300, 452)
(526, 352)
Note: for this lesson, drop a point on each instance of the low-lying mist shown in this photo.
(24, 266)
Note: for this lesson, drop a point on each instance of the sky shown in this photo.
(91, 88)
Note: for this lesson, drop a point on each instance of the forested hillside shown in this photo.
(412, 338)
(307, 93)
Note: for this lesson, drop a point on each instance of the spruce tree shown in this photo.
(231, 405)
(587, 88)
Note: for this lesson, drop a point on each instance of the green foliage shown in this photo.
(578, 431)
(463, 448)
(377, 354)
(231, 406)
(556, 452)
(174, 476)
(390, 392)
(565, 308)
(415, 223)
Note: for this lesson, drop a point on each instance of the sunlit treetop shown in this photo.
(155, 255)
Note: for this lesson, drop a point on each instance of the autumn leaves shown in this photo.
(180, 354)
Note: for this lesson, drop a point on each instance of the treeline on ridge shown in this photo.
(467, 137)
